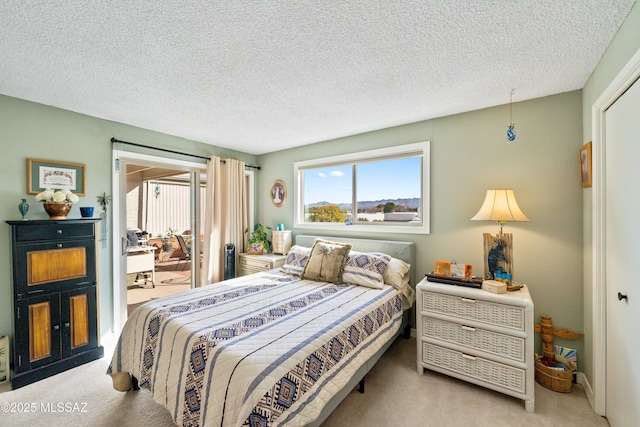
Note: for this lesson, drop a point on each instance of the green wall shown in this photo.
(30, 130)
(625, 44)
(470, 154)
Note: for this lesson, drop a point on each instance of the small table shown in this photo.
(142, 259)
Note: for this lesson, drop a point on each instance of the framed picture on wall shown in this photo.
(278, 193)
(43, 174)
(585, 165)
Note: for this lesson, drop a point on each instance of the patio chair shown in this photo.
(186, 252)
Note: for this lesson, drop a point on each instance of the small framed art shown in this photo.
(278, 193)
(43, 174)
(585, 165)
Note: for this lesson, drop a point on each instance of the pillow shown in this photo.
(395, 272)
(408, 294)
(297, 258)
(326, 262)
(366, 269)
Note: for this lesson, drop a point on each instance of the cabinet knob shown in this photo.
(59, 245)
(66, 325)
(59, 231)
(56, 327)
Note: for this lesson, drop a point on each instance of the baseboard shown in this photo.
(582, 380)
(108, 341)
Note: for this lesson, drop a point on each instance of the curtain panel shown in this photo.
(226, 215)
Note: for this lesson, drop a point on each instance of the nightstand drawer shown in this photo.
(254, 263)
(508, 316)
(491, 372)
(249, 264)
(475, 338)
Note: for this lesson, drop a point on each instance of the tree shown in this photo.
(327, 213)
(389, 207)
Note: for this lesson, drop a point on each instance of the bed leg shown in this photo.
(134, 383)
(361, 386)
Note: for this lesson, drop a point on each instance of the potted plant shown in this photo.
(167, 246)
(258, 241)
(57, 203)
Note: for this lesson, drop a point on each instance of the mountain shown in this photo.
(410, 203)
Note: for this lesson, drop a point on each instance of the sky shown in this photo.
(388, 179)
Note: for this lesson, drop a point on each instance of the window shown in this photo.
(385, 190)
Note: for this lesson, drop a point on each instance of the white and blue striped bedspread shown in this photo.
(261, 350)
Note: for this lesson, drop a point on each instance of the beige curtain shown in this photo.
(225, 215)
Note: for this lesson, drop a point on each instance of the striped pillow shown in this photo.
(366, 269)
(297, 258)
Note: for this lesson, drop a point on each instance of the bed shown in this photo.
(280, 347)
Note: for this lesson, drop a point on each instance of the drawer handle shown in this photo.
(468, 357)
(469, 300)
(468, 328)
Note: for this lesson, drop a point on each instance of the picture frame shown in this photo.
(278, 193)
(584, 156)
(498, 257)
(43, 174)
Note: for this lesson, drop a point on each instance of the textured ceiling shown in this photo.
(261, 76)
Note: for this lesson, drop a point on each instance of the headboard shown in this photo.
(402, 250)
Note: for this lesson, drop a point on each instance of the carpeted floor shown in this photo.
(395, 396)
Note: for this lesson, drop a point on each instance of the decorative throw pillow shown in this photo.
(396, 272)
(297, 258)
(326, 262)
(366, 269)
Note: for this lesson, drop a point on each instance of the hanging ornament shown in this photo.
(511, 129)
(157, 190)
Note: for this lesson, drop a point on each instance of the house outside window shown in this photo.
(384, 190)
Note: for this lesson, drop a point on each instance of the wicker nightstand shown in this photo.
(477, 336)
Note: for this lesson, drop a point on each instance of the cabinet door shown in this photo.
(37, 332)
(78, 312)
(54, 266)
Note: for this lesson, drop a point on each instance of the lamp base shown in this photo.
(498, 257)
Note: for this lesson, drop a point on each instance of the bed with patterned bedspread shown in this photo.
(260, 350)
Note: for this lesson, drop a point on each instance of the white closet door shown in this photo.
(623, 259)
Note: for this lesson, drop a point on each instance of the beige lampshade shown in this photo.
(500, 206)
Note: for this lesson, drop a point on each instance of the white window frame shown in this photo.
(415, 149)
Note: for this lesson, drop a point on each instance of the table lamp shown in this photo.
(500, 206)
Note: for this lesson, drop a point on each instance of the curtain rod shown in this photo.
(117, 141)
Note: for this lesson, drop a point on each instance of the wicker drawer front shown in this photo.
(508, 316)
(492, 372)
(474, 338)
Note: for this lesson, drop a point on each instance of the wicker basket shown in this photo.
(554, 379)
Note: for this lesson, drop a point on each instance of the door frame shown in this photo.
(119, 223)
(623, 81)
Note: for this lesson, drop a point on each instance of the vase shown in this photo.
(23, 207)
(57, 210)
